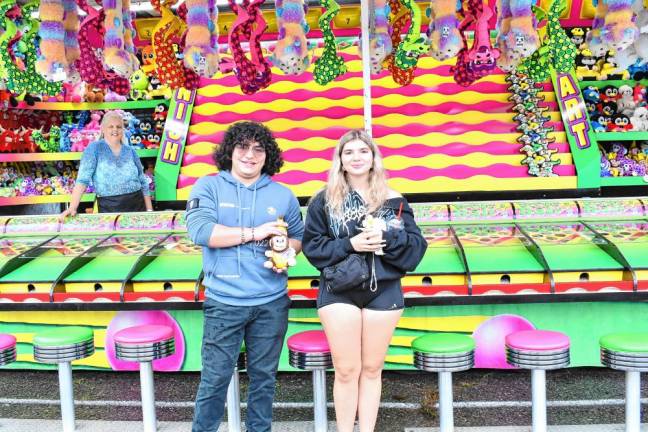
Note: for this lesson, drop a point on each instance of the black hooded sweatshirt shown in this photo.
(326, 240)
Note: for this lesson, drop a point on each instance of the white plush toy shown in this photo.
(624, 59)
(626, 104)
(639, 119)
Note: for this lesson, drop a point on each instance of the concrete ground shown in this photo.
(488, 400)
(21, 425)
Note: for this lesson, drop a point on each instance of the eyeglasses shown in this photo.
(245, 147)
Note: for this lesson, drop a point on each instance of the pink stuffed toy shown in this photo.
(78, 143)
(482, 55)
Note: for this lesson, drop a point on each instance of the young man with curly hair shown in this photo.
(232, 215)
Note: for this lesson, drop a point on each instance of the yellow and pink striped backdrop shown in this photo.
(435, 135)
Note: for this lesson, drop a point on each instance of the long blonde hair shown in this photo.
(337, 186)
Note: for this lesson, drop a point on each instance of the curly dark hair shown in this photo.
(247, 132)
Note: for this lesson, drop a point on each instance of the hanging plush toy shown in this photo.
(291, 54)
(129, 34)
(71, 26)
(201, 52)
(563, 49)
(23, 79)
(619, 30)
(330, 65)
(480, 60)
(522, 37)
(89, 65)
(635, 55)
(254, 73)
(443, 32)
(482, 55)
(400, 16)
(52, 62)
(594, 39)
(281, 255)
(170, 70)
(117, 57)
(508, 59)
(380, 45)
(413, 46)
(557, 50)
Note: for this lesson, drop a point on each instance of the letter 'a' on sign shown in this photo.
(567, 87)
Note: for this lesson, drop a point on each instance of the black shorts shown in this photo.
(388, 296)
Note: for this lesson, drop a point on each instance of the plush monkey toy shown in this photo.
(280, 255)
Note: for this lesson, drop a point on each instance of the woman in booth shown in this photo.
(114, 169)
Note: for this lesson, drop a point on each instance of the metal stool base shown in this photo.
(317, 363)
(444, 365)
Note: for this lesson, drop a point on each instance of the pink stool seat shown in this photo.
(311, 341)
(144, 334)
(537, 340)
(7, 341)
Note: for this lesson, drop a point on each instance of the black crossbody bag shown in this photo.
(350, 273)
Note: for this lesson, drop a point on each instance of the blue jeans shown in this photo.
(263, 328)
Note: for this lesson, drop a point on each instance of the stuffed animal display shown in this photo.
(613, 109)
(624, 159)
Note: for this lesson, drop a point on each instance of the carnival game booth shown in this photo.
(493, 100)
(489, 268)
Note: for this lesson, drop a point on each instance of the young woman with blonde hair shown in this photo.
(359, 321)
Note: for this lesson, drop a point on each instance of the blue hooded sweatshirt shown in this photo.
(235, 275)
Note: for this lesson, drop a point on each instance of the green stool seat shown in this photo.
(628, 352)
(444, 343)
(63, 344)
(625, 351)
(444, 352)
(625, 342)
(63, 336)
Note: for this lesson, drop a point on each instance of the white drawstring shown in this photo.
(373, 283)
